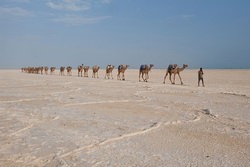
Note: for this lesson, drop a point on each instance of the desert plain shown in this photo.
(53, 120)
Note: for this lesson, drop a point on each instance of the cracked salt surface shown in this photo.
(51, 120)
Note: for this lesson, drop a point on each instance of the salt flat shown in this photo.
(53, 120)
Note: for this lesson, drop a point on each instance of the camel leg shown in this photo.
(123, 76)
(180, 78)
(147, 76)
(165, 77)
(170, 79)
(118, 76)
(139, 76)
(174, 79)
(111, 75)
(143, 77)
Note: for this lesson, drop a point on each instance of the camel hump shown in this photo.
(119, 67)
(170, 67)
(143, 67)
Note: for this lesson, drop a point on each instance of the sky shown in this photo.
(200, 33)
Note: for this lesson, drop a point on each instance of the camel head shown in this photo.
(185, 65)
(151, 66)
(96, 67)
(80, 67)
(69, 68)
(111, 67)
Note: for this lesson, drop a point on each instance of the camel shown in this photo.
(175, 70)
(69, 71)
(169, 71)
(121, 69)
(37, 70)
(109, 70)
(52, 70)
(80, 68)
(144, 69)
(41, 69)
(62, 70)
(46, 69)
(86, 70)
(95, 71)
(30, 70)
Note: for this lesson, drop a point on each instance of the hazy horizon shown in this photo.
(210, 34)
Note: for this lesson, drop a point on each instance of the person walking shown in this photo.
(200, 77)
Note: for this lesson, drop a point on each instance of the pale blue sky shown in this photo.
(200, 33)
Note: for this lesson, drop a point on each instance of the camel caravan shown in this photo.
(144, 70)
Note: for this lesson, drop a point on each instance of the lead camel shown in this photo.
(175, 70)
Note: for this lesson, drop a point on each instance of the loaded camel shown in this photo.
(121, 69)
(79, 69)
(69, 71)
(144, 69)
(174, 69)
(46, 69)
(52, 70)
(109, 70)
(41, 70)
(37, 69)
(95, 71)
(86, 70)
(62, 70)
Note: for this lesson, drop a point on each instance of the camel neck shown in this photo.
(181, 69)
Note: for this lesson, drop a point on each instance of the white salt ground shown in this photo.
(52, 120)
